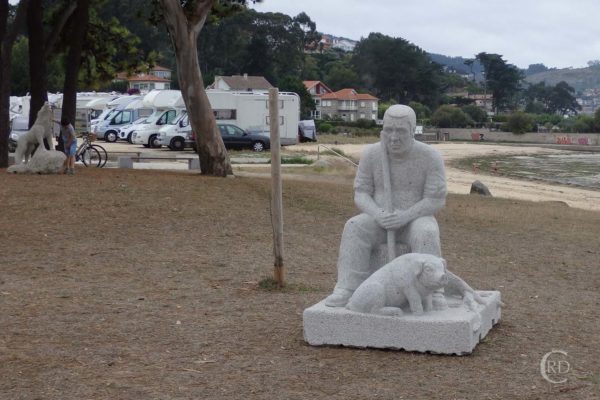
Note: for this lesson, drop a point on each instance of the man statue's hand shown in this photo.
(391, 221)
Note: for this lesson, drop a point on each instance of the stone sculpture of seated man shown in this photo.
(416, 190)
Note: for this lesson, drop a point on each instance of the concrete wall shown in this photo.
(590, 139)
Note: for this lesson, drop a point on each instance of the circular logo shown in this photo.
(554, 366)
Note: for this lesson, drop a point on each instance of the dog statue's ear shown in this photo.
(445, 263)
(419, 271)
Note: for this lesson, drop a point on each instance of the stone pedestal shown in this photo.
(456, 330)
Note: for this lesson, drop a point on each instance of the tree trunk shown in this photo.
(80, 20)
(8, 35)
(38, 80)
(184, 33)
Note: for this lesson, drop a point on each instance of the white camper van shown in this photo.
(168, 105)
(108, 128)
(177, 134)
(250, 111)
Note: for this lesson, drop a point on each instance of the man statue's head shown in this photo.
(399, 123)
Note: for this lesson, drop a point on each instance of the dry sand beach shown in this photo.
(459, 180)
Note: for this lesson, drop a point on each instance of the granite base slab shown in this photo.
(456, 330)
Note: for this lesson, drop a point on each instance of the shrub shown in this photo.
(519, 123)
(477, 114)
(450, 117)
(324, 127)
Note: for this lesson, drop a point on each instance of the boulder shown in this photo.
(479, 188)
(42, 162)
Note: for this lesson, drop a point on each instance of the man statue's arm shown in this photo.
(434, 199)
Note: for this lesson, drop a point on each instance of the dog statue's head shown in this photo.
(433, 273)
(45, 112)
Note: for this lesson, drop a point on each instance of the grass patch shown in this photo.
(346, 139)
(299, 159)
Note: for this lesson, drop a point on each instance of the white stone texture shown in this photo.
(455, 330)
(43, 162)
(409, 279)
(125, 162)
(41, 129)
(399, 186)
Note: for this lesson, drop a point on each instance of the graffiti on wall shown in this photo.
(567, 140)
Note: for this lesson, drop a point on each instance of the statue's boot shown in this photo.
(353, 265)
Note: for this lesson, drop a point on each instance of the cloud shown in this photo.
(557, 33)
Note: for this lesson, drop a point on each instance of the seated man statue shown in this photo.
(403, 202)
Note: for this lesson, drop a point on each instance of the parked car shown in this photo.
(235, 137)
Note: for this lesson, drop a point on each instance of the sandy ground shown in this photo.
(143, 285)
(459, 181)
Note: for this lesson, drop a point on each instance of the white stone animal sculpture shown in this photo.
(411, 278)
(42, 128)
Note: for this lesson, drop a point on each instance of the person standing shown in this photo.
(67, 133)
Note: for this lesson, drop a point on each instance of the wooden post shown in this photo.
(276, 192)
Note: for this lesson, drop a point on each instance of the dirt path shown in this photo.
(459, 181)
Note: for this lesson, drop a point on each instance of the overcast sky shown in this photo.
(557, 33)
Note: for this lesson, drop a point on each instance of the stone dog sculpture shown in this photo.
(41, 129)
(410, 279)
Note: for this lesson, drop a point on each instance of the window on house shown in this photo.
(362, 116)
(317, 102)
(374, 106)
(362, 103)
(351, 117)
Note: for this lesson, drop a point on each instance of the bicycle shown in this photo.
(92, 155)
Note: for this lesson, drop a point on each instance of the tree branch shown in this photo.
(197, 17)
(54, 34)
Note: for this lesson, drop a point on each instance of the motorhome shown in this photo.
(177, 134)
(112, 106)
(250, 111)
(108, 129)
(168, 105)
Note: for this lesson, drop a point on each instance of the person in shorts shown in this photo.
(67, 133)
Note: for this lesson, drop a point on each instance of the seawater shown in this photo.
(581, 169)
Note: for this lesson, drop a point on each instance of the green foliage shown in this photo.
(299, 159)
(20, 70)
(293, 84)
(397, 70)
(323, 127)
(519, 123)
(583, 124)
(266, 44)
(341, 76)
(502, 79)
(560, 98)
(382, 108)
(477, 114)
(110, 48)
(544, 119)
(447, 116)
(422, 111)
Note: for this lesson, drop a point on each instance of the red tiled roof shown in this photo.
(146, 78)
(347, 94)
(311, 84)
(160, 68)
